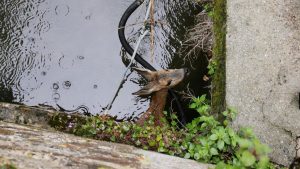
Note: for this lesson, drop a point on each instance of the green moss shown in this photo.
(219, 56)
(65, 122)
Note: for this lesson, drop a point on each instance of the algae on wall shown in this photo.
(219, 56)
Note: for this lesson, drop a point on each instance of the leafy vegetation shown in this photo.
(204, 139)
(5, 164)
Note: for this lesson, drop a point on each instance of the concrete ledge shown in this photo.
(32, 147)
(36, 145)
(21, 114)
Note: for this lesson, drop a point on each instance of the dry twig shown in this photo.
(200, 38)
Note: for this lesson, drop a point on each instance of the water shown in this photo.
(66, 53)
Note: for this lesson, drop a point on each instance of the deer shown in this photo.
(159, 82)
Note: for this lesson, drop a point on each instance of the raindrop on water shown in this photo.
(44, 73)
(80, 57)
(55, 86)
(67, 84)
(56, 96)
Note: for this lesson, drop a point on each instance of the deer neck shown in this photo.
(156, 108)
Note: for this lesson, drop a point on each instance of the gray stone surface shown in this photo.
(36, 145)
(263, 71)
(33, 147)
(21, 114)
(298, 148)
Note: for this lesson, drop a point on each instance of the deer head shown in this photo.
(160, 79)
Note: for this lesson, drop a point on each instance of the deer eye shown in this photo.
(169, 82)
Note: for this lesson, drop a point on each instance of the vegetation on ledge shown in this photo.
(6, 164)
(204, 139)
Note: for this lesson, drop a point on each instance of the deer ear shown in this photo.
(147, 74)
(148, 89)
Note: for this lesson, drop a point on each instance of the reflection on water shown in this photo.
(66, 53)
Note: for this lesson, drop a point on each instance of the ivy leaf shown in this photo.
(247, 158)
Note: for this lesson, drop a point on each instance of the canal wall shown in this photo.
(263, 71)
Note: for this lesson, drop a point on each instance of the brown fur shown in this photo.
(156, 108)
(159, 83)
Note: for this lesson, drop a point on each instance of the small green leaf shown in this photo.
(244, 143)
(158, 137)
(193, 105)
(196, 156)
(231, 132)
(225, 113)
(220, 144)
(192, 146)
(263, 162)
(187, 155)
(161, 149)
(202, 98)
(203, 125)
(113, 138)
(247, 158)
(173, 123)
(214, 151)
(213, 137)
(152, 143)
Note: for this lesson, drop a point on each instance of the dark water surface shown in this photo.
(66, 53)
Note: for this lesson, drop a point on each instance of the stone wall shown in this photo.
(263, 71)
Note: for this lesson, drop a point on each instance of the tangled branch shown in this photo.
(199, 38)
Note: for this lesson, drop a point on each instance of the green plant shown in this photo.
(6, 164)
(208, 7)
(212, 66)
(205, 139)
(218, 143)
